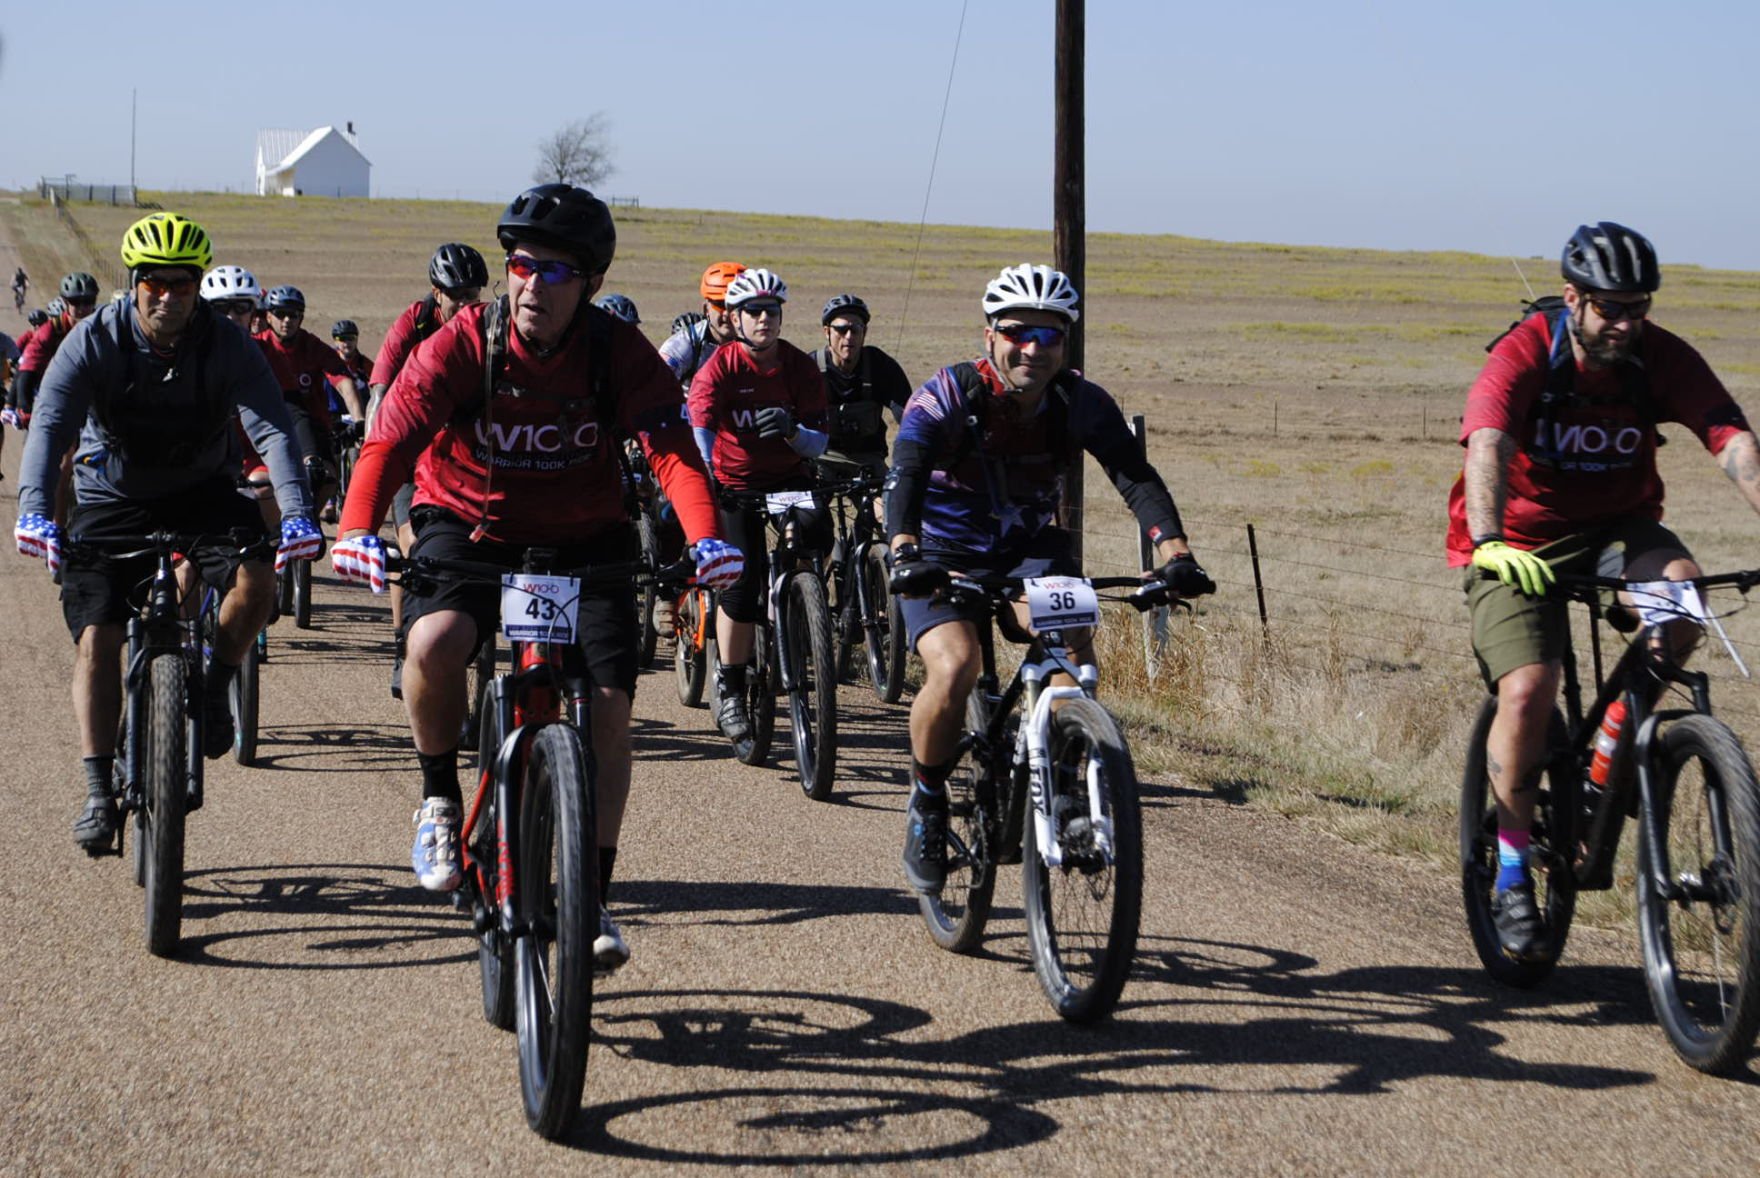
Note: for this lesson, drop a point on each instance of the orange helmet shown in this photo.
(716, 278)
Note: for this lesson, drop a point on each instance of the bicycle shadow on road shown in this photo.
(318, 916)
(368, 748)
(643, 902)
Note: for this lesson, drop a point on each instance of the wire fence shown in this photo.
(104, 270)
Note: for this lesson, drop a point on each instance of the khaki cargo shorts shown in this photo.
(1511, 630)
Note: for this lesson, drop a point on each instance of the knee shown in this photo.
(1527, 693)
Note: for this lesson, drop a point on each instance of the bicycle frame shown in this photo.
(163, 630)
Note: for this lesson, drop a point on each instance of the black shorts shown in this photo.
(746, 526)
(98, 590)
(1048, 554)
(608, 632)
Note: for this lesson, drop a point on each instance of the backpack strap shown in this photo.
(427, 318)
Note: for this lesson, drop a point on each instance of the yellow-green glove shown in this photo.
(1519, 569)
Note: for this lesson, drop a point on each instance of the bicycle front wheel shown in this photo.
(812, 705)
(690, 646)
(302, 594)
(1702, 950)
(1555, 887)
(1082, 915)
(559, 908)
(956, 916)
(165, 796)
(244, 699)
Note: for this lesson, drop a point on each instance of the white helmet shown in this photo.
(1031, 288)
(230, 282)
(757, 283)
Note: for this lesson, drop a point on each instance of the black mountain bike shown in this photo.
(158, 774)
(863, 612)
(792, 651)
(1685, 778)
(1045, 780)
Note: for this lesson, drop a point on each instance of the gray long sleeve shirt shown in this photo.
(160, 413)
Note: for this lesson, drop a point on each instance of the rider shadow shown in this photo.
(724, 904)
(319, 916)
(370, 748)
(662, 740)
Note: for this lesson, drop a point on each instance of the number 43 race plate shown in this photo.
(538, 608)
(1058, 603)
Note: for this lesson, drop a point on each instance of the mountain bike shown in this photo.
(1686, 780)
(528, 842)
(863, 612)
(1045, 779)
(792, 651)
(693, 640)
(158, 774)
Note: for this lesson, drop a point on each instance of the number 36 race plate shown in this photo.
(1058, 603)
(538, 608)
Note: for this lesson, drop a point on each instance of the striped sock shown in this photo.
(1512, 858)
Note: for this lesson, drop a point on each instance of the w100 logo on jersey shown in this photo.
(1590, 447)
(533, 438)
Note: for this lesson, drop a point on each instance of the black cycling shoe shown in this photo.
(730, 714)
(1520, 931)
(95, 829)
(217, 729)
(925, 844)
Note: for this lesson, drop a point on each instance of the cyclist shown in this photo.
(758, 411)
(457, 275)
(9, 354)
(975, 486)
(10, 415)
(861, 382)
(552, 478)
(621, 306)
(688, 348)
(21, 286)
(1560, 474)
(235, 293)
(303, 364)
(345, 337)
(78, 299)
(148, 388)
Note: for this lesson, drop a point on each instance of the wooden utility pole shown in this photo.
(1070, 209)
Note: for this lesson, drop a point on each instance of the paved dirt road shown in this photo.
(1298, 1007)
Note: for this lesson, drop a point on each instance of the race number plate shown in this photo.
(1058, 603)
(539, 609)
(778, 502)
(1667, 601)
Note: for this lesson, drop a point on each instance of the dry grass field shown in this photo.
(1312, 393)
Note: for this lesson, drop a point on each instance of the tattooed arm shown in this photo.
(1489, 452)
(1740, 459)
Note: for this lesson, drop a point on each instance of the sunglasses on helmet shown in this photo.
(550, 273)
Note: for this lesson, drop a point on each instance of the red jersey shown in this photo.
(726, 394)
(556, 474)
(1606, 457)
(43, 345)
(418, 321)
(301, 365)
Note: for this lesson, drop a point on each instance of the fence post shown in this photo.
(1154, 621)
(1258, 581)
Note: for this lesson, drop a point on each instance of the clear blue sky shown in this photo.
(1492, 126)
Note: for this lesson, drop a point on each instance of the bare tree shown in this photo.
(576, 154)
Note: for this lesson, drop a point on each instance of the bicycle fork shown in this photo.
(1033, 741)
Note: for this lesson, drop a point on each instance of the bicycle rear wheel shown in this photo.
(559, 905)
(812, 705)
(760, 701)
(1702, 952)
(476, 686)
(690, 646)
(302, 594)
(494, 952)
(888, 631)
(165, 790)
(1555, 887)
(1082, 916)
(957, 915)
(244, 699)
(647, 637)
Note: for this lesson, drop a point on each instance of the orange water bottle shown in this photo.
(1606, 740)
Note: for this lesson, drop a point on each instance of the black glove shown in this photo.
(1186, 577)
(912, 576)
(774, 422)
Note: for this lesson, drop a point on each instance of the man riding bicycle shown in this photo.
(21, 286)
(862, 383)
(1560, 476)
(976, 482)
(535, 463)
(149, 387)
(691, 343)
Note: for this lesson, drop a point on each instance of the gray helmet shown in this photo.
(284, 296)
(621, 306)
(37, 317)
(344, 327)
(79, 287)
(1608, 256)
(457, 266)
(843, 304)
(57, 308)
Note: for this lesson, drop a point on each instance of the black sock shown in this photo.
(607, 860)
(733, 678)
(220, 677)
(98, 773)
(931, 780)
(440, 775)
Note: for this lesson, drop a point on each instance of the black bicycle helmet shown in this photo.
(37, 317)
(79, 287)
(344, 327)
(621, 306)
(843, 304)
(685, 322)
(457, 266)
(284, 296)
(1607, 256)
(564, 218)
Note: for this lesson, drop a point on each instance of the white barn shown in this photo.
(325, 162)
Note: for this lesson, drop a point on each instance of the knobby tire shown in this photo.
(956, 916)
(813, 702)
(165, 789)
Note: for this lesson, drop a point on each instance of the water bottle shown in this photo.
(1606, 741)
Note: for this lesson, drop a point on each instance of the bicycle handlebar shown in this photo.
(673, 576)
(128, 545)
(1145, 595)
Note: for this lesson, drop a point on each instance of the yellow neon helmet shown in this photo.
(166, 239)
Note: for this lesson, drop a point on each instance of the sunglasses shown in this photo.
(759, 310)
(551, 273)
(846, 328)
(82, 303)
(159, 287)
(235, 306)
(1613, 310)
(287, 312)
(345, 339)
(1020, 333)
